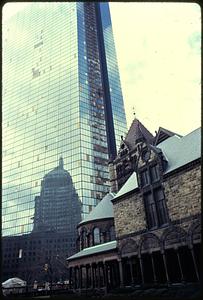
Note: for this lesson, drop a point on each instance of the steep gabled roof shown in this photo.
(137, 131)
(180, 151)
(129, 185)
(163, 134)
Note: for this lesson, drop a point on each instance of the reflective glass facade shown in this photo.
(61, 97)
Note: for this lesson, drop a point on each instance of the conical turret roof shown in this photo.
(103, 210)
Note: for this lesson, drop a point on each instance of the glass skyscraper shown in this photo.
(61, 97)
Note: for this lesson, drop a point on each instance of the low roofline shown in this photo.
(114, 247)
(92, 254)
(93, 220)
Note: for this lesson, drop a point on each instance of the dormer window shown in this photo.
(149, 175)
(154, 173)
(144, 176)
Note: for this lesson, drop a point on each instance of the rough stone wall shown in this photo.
(183, 193)
(129, 215)
(183, 199)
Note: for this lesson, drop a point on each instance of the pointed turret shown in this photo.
(136, 132)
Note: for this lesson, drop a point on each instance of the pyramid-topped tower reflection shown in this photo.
(58, 207)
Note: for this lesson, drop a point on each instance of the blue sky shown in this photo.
(158, 50)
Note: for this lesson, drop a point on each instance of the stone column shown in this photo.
(131, 270)
(80, 277)
(110, 275)
(114, 267)
(96, 274)
(104, 274)
(153, 268)
(179, 264)
(92, 276)
(141, 269)
(121, 272)
(165, 267)
(86, 282)
(106, 277)
(75, 278)
(117, 273)
(70, 277)
(195, 264)
(99, 277)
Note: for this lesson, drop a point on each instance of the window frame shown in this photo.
(97, 235)
(159, 212)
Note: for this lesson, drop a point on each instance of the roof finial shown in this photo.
(61, 162)
(134, 113)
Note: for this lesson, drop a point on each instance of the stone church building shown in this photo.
(147, 230)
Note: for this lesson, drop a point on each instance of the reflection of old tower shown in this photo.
(52, 240)
(58, 207)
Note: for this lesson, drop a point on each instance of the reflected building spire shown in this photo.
(58, 207)
(61, 162)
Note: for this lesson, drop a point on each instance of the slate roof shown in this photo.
(163, 134)
(136, 131)
(129, 185)
(181, 150)
(177, 150)
(104, 209)
(95, 249)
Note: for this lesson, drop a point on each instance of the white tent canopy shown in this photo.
(13, 282)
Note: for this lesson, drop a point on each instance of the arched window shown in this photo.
(112, 233)
(83, 239)
(88, 240)
(96, 236)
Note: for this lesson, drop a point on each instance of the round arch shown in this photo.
(82, 238)
(148, 243)
(96, 235)
(128, 247)
(173, 237)
(194, 233)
